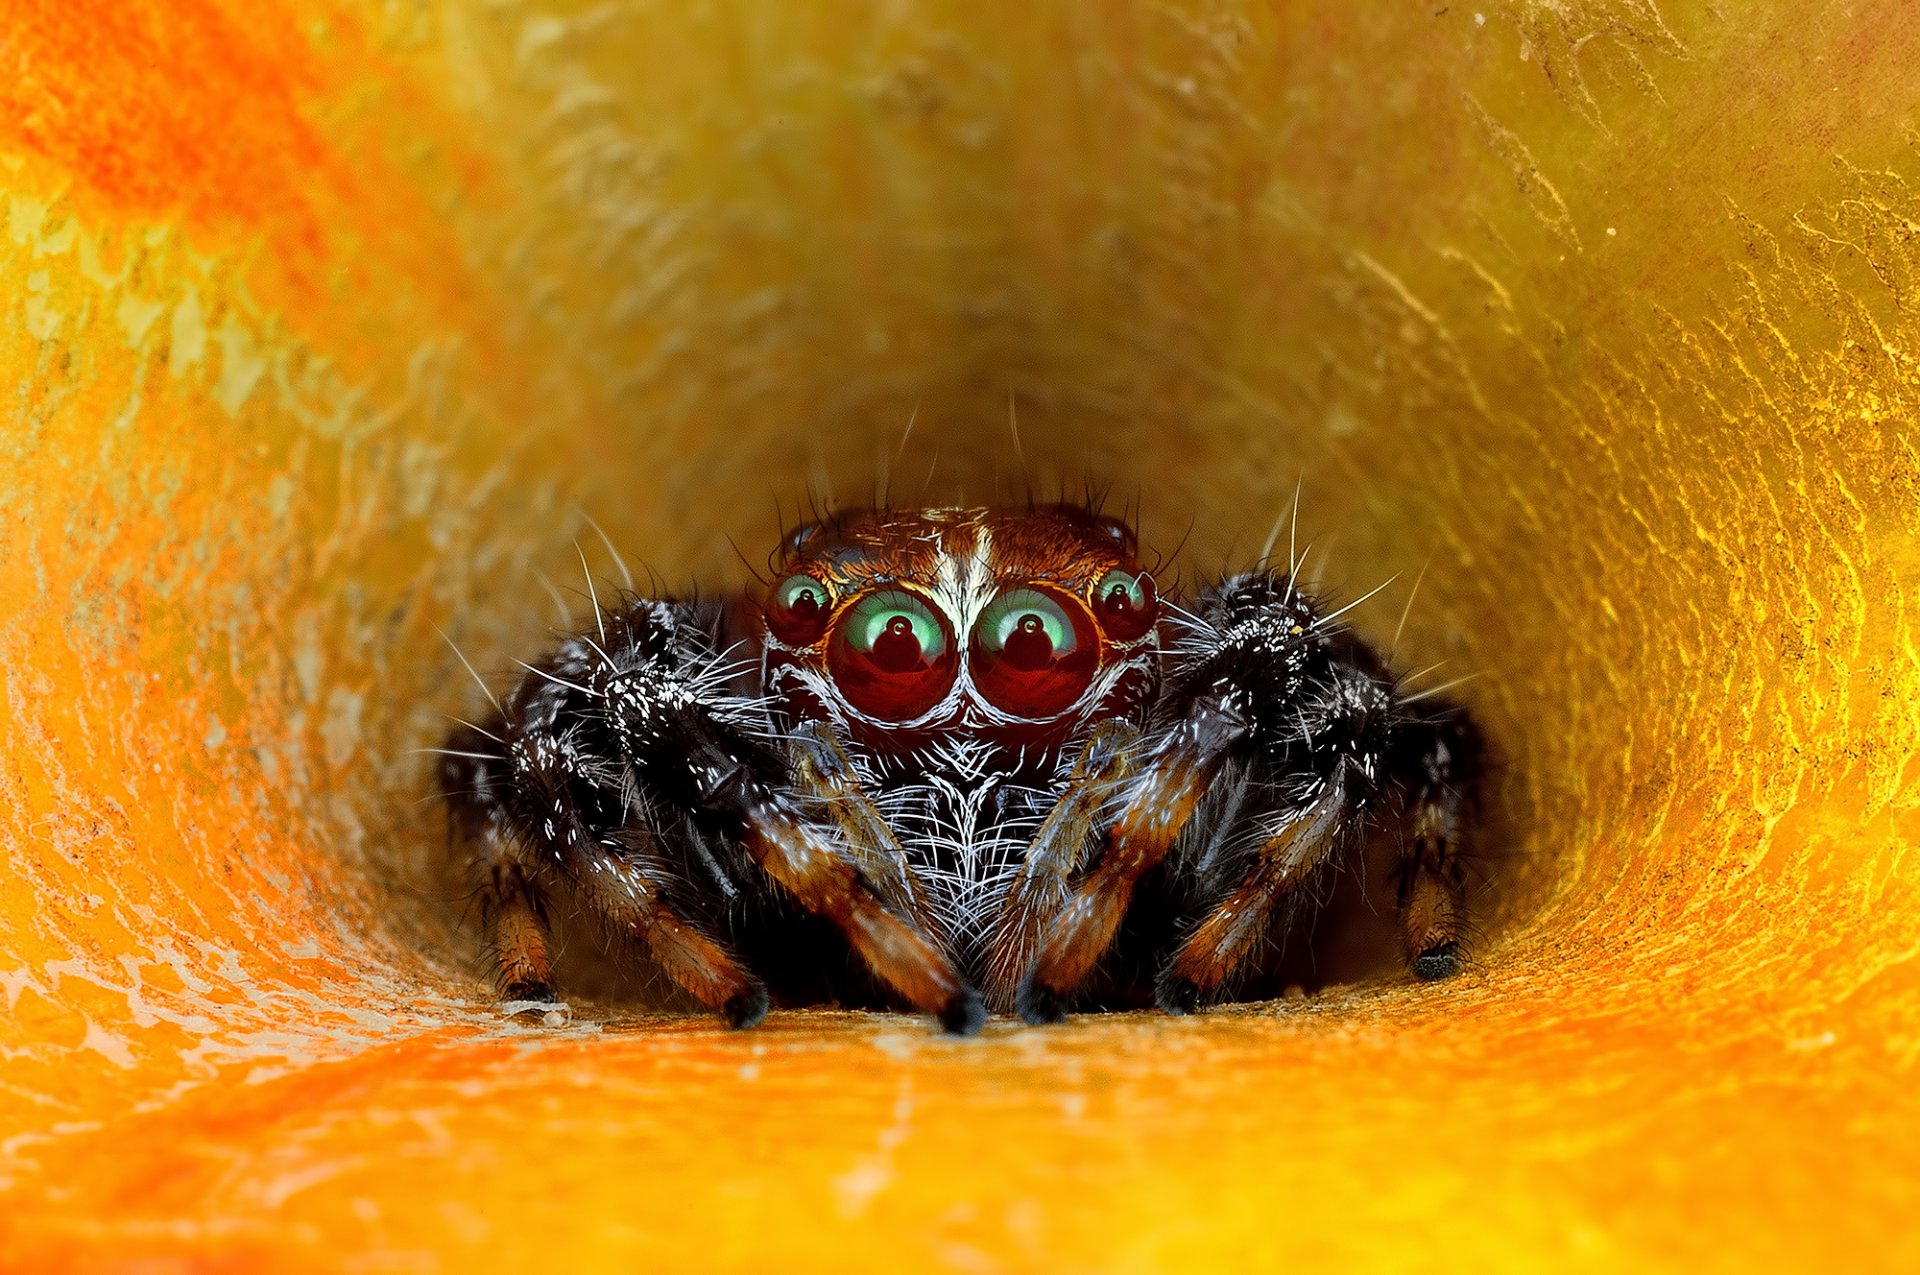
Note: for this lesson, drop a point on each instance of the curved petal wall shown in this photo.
(323, 327)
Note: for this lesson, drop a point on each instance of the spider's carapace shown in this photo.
(909, 627)
(941, 759)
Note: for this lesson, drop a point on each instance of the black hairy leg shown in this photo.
(512, 911)
(534, 811)
(1215, 948)
(607, 764)
(1264, 683)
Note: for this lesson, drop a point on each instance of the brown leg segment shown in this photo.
(473, 776)
(1445, 760)
(1433, 888)
(622, 891)
(813, 870)
(1229, 933)
(516, 933)
(1162, 802)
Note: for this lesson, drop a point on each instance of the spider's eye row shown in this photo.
(798, 609)
(1033, 654)
(893, 656)
(1127, 604)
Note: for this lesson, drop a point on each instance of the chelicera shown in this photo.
(963, 761)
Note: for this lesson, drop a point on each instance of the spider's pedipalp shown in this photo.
(1039, 887)
(823, 775)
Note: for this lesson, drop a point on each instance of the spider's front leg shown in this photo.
(1254, 657)
(612, 741)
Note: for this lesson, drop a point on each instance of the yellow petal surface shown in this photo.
(324, 327)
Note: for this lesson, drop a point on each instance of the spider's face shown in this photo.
(1016, 627)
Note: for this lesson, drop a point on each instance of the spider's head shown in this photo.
(1017, 627)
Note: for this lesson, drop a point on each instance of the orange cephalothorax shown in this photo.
(1016, 626)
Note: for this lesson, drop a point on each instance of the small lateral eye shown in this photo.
(892, 656)
(1033, 655)
(1126, 603)
(798, 609)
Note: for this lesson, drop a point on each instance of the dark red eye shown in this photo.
(892, 656)
(1127, 604)
(798, 609)
(1033, 655)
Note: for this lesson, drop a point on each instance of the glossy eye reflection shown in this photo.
(797, 610)
(892, 656)
(1127, 604)
(1033, 655)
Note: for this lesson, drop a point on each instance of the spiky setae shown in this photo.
(973, 744)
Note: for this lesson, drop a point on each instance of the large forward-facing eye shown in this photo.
(893, 656)
(1033, 654)
(1126, 603)
(797, 610)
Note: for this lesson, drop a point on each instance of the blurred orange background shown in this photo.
(323, 326)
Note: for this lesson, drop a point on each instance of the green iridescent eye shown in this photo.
(1033, 654)
(1030, 628)
(885, 618)
(1126, 603)
(892, 656)
(798, 609)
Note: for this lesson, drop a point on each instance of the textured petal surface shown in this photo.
(322, 324)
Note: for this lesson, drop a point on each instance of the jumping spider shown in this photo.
(942, 761)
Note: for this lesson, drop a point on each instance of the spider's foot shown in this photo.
(1176, 995)
(965, 1014)
(745, 1009)
(1039, 1004)
(1441, 961)
(531, 991)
